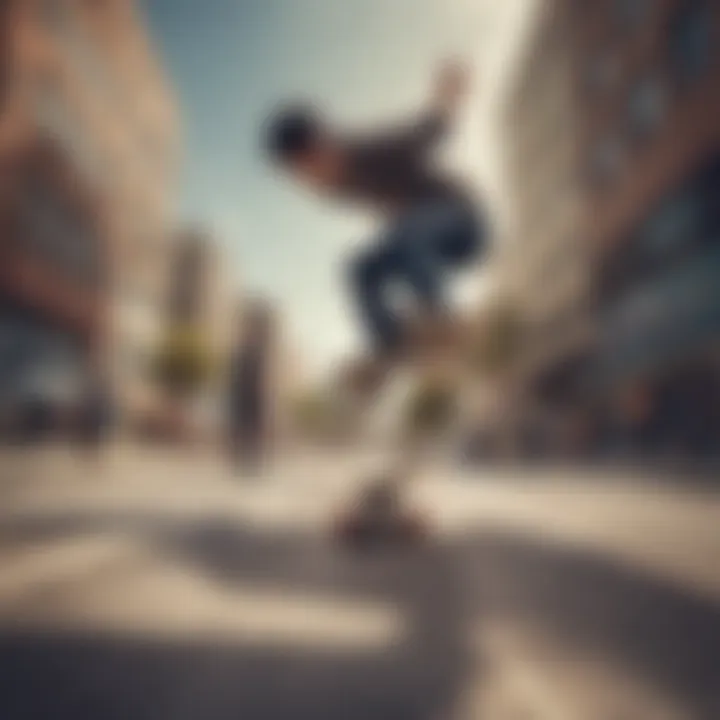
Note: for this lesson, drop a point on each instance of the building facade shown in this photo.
(546, 264)
(54, 248)
(646, 76)
(88, 155)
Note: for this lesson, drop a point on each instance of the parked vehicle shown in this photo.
(40, 403)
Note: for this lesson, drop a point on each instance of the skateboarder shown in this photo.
(430, 224)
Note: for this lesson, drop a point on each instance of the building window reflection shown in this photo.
(678, 223)
(33, 351)
(681, 226)
(692, 41)
(57, 232)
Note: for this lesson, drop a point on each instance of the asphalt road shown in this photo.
(166, 589)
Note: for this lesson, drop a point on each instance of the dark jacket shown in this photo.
(395, 169)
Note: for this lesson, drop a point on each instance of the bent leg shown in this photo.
(428, 241)
(419, 250)
(370, 274)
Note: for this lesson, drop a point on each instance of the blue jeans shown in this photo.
(416, 251)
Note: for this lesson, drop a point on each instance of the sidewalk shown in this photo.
(666, 528)
(671, 530)
(532, 565)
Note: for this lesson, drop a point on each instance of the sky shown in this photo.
(366, 61)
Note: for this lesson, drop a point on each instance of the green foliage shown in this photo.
(309, 410)
(316, 414)
(499, 342)
(430, 408)
(183, 364)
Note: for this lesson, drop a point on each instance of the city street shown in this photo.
(160, 587)
(493, 235)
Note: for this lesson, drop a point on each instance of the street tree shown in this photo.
(430, 408)
(498, 344)
(183, 364)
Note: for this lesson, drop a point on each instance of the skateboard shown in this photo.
(381, 516)
(381, 513)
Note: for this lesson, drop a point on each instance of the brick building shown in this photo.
(53, 244)
(648, 106)
(613, 161)
(88, 146)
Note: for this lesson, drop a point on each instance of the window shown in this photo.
(631, 13)
(606, 161)
(691, 41)
(56, 231)
(677, 223)
(36, 356)
(647, 107)
(681, 225)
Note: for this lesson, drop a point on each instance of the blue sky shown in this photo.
(229, 62)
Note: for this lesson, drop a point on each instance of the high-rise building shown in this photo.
(88, 155)
(648, 107)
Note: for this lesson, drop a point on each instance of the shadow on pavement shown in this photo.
(650, 629)
(653, 630)
(69, 676)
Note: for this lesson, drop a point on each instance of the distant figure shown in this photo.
(95, 416)
(248, 392)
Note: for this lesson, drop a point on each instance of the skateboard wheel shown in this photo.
(358, 531)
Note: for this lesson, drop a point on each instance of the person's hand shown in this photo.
(451, 87)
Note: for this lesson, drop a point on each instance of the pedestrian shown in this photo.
(249, 392)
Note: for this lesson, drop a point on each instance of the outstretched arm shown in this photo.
(432, 126)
